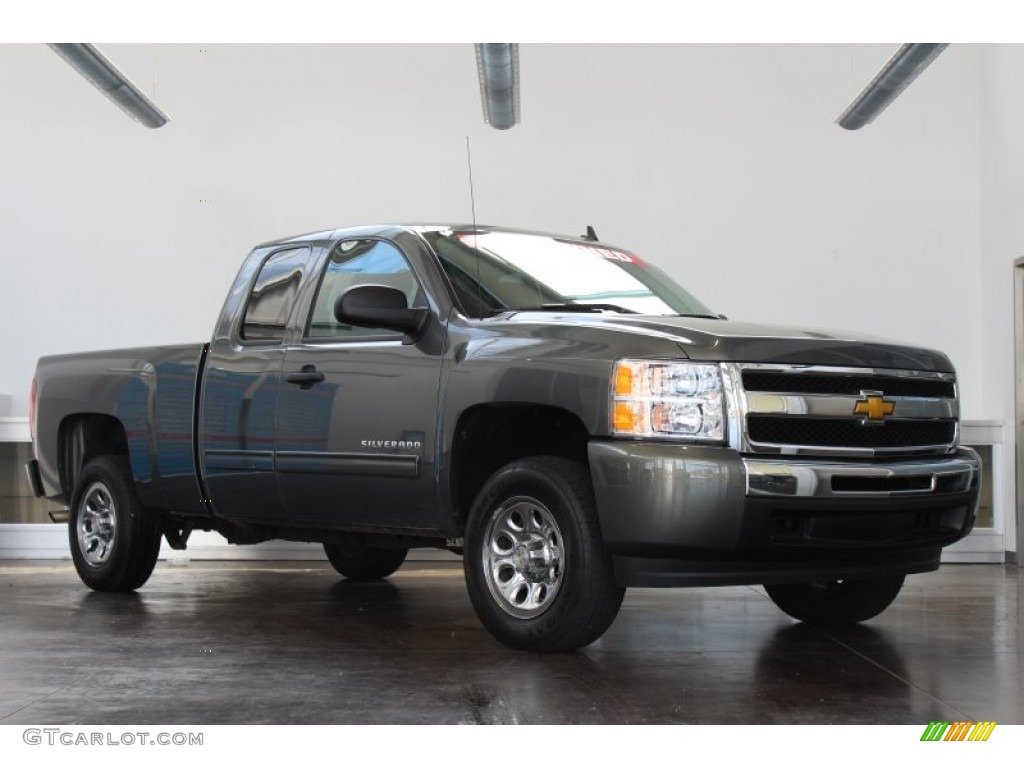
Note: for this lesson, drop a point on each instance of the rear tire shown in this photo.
(536, 567)
(114, 540)
(836, 602)
(357, 562)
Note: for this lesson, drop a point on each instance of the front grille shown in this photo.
(849, 433)
(843, 384)
(906, 483)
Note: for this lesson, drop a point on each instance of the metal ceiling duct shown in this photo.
(497, 65)
(901, 70)
(94, 67)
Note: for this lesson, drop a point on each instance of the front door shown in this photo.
(357, 408)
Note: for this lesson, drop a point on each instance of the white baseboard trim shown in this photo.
(46, 541)
(13, 430)
(33, 541)
(973, 557)
(982, 546)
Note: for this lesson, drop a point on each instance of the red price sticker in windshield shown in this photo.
(612, 255)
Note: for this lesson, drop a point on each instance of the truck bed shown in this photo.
(151, 391)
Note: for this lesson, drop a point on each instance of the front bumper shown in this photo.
(674, 515)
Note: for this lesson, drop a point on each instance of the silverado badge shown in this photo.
(874, 407)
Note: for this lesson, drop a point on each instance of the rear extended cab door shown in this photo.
(242, 381)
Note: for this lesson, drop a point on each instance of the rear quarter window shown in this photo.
(273, 296)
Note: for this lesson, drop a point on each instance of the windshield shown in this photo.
(496, 272)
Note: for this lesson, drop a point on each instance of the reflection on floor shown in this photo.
(213, 643)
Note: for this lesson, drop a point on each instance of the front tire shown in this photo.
(114, 540)
(538, 574)
(357, 562)
(836, 602)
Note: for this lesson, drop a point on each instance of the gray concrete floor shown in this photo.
(214, 643)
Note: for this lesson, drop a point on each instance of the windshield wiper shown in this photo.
(701, 314)
(576, 308)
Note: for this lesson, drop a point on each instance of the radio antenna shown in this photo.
(472, 205)
(472, 199)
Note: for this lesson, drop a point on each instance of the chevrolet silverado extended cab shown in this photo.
(556, 409)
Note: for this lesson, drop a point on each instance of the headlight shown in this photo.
(654, 398)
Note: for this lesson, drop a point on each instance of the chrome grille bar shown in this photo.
(853, 415)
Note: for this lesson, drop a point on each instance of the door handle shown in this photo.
(306, 377)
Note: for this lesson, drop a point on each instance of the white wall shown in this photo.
(721, 163)
(1002, 238)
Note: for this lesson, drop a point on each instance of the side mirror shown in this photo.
(379, 306)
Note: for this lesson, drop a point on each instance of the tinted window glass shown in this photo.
(496, 272)
(360, 262)
(273, 295)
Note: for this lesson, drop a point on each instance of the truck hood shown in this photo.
(726, 340)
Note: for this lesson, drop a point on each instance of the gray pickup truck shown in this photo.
(556, 409)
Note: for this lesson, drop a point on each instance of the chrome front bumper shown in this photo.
(795, 478)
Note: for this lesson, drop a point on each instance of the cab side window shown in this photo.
(273, 296)
(353, 263)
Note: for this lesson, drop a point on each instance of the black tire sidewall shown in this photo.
(587, 573)
(848, 602)
(136, 538)
(361, 563)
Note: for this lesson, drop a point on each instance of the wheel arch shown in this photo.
(490, 435)
(82, 437)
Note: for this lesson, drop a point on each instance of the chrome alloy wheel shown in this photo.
(97, 524)
(523, 557)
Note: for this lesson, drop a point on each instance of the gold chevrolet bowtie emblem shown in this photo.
(874, 407)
